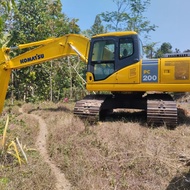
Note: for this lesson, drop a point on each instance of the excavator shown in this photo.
(116, 68)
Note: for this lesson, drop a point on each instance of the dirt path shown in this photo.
(61, 182)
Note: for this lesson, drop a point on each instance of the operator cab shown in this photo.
(113, 51)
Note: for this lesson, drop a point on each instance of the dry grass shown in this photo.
(108, 155)
(35, 174)
(116, 155)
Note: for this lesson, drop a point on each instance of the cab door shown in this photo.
(102, 59)
(128, 60)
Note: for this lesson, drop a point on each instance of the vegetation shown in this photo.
(36, 173)
(129, 16)
(97, 27)
(129, 156)
(10, 149)
(151, 52)
(33, 21)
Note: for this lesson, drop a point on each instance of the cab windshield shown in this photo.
(103, 57)
(103, 50)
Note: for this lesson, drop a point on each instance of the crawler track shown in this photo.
(90, 106)
(161, 109)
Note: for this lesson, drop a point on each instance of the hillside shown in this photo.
(119, 153)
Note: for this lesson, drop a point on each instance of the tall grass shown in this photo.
(11, 149)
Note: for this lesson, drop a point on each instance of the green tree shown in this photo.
(177, 50)
(166, 47)
(129, 16)
(7, 4)
(149, 50)
(2, 25)
(137, 22)
(33, 21)
(97, 27)
(6, 7)
(116, 20)
(30, 22)
(87, 33)
(187, 50)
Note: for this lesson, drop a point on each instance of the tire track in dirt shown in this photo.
(61, 182)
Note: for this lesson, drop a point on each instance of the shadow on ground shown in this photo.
(124, 115)
(140, 117)
(127, 116)
(183, 118)
(181, 182)
(58, 109)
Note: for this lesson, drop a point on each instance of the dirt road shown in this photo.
(61, 182)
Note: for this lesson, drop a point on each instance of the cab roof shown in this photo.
(123, 33)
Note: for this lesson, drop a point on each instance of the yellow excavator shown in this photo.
(115, 64)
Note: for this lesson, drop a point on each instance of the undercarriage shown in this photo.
(160, 108)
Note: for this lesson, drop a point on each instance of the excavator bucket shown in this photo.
(4, 78)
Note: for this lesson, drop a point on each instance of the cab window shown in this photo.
(126, 47)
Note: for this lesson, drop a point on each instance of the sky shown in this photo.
(171, 17)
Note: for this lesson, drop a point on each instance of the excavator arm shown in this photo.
(45, 50)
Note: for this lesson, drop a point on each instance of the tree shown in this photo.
(116, 20)
(166, 47)
(187, 51)
(149, 50)
(87, 33)
(2, 24)
(33, 21)
(97, 27)
(7, 4)
(5, 12)
(129, 16)
(137, 22)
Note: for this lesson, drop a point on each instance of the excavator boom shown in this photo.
(45, 50)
